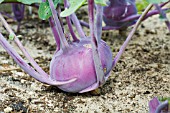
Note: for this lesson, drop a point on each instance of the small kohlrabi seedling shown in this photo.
(80, 65)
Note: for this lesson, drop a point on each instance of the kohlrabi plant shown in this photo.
(84, 62)
(118, 10)
(120, 14)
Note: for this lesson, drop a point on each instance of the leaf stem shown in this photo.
(99, 19)
(95, 52)
(64, 43)
(122, 49)
(76, 22)
(55, 33)
(66, 5)
(21, 47)
(58, 10)
(163, 14)
(77, 25)
(18, 10)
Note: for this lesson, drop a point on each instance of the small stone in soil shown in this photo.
(19, 107)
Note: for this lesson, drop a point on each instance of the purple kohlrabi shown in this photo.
(78, 63)
(118, 10)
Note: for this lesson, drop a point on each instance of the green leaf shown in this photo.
(29, 1)
(141, 5)
(44, 10)
(164, 99)
(156, 1)
(101, 2)
(11, 36)
(1, 1)
(74, 5)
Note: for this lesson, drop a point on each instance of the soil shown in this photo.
(142, 73)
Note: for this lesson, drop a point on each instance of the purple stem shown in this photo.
(154, 12)
(58, 27)
(21, 47)
(18, 28)
(28, 69)
(66, 5)
(55, 33)
(161, 106)
(77, 25)
(163, 14)
(58, 10)
(75, 39)
(96, 57)
(18, 10)
(130, 18)
(163, 4)
(99, 18)
(122, 49)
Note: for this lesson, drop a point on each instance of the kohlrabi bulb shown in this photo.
(78, 62)
(118, 10)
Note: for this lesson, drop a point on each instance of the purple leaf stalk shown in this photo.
(18, 10)
(66, 5)
(163, 14)
(80, 65)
